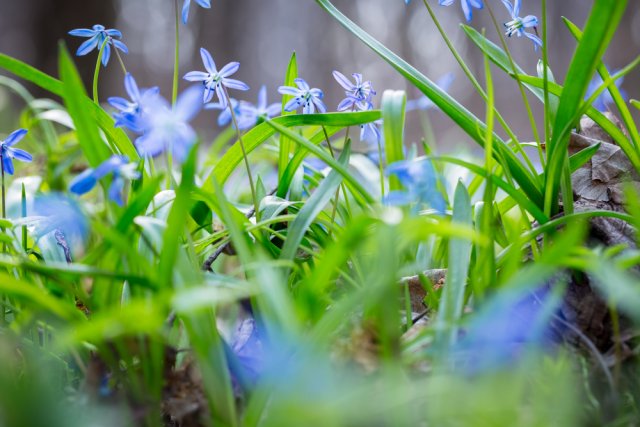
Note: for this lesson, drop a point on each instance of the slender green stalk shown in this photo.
(256, 205)
(545, 74)
(96, 73)
(523, 93)
(477, 86)
(335, 205)
(176, 59)
(120, 61)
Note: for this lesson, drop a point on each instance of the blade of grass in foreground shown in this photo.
(469, 123)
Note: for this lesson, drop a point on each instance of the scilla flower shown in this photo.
(517, 25)
(467, 6)
(605, 99)
(262, 108)
(7, 152)
(358, 94)
(187, 4)
(118, 166)
(213, 80)
(303, 96)
(131, 112)
(421, 185)
(167, 128)
(97, 36)
(241, 110)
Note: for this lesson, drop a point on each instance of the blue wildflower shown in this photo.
(424, 103)
(359, 94)
(262, 108)
(466, 6)
(7, 152)
(97, 36)
(419, 179)
(118, 166)
(512, 322)
(187, 4)
(605, 99)
(131, 112)
(517, 25)
(167, 128)
(303, 96)
(213, 80)
(242, 110)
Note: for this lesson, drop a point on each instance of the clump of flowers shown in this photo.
(310, 99)
(359, 96)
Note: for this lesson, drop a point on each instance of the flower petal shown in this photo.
(119, 45)
(229, 69)
(185, 11)
(207, 60)
(235, 84)
(87, 46)
(15, 137)
(8, 164)
(21, 155)
(83, 183)
(343, 80)
(196, 76)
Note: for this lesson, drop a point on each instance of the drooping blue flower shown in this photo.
(358, 94)
(513, 322)
(605, 99)
(241, 110)
(167, 128)
(7, 152)
(215, 81)
(97, 36)
(467, 6)
(187, 4)
(131, 112)
(118, 166)
(424, 103)
(421, 186)
(517, 24)
(303, 96)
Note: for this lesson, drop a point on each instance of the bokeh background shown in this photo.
(262, 34)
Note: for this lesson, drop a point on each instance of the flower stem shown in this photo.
(244, 154)
(176, 59)
(96, 73)
(122, 66)
(335, 205)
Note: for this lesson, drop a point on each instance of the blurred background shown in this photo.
(262, 34)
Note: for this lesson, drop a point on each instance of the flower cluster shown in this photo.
(98, 35)
(359, 96)
(310, 99)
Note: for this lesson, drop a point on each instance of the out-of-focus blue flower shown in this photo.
(263, 108)
(118, 166)
(359, 94)
(424, 103)
(187, 4)
(419, 179)
(242, 110)
(303, 96)
(213, 80)
(131, 112)
(513, 322)
(517, 25)
(97, 36)
(605, 99)
(467, 6)
(7, 152)
(167, 128)
(57, 213)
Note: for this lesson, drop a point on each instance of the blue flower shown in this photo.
(263, 108)
(131, 112)
(466, 6)
(605, 99)
(187, 4)
(97, 36)
(167, 128)
(7, 152)
(358, 94)
(213, 80)
(424, 103)
(303, 96)
(513, 321)
(118, 166)
(242, 110)
(421, 186)
(517, 25)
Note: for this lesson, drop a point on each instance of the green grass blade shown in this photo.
(393, 116)
(601, 25)
(469, 123)
(286, 145)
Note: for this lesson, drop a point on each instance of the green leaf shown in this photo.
(393, 116)
(452, 300)
(73, 93)
(116, 135)
(601, 25)
(314, 205)
(286, 145)
(469, 123)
